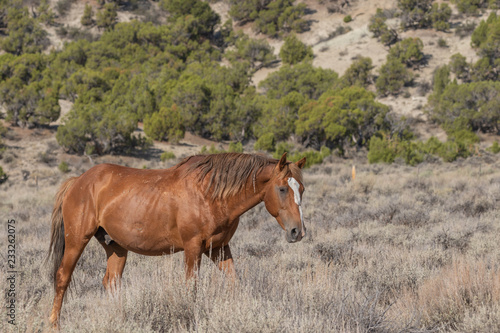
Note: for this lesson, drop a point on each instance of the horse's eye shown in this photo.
(282, 189)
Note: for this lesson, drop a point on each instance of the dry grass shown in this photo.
(398, 249)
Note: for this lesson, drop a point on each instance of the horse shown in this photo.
(192, 207)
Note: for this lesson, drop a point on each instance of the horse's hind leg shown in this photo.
(222, 257)
(117, 257)
(74, 247)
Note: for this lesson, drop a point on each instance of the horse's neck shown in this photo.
(253, 194)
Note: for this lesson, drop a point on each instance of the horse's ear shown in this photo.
(301, 163)
(282, 162)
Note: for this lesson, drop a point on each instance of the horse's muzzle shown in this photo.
(295, 235)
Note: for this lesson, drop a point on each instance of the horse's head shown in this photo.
(283, 198)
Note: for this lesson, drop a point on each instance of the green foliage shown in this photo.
(467, 106)
(205, 19)
(294, 51)
(265, 142)
(393, 76)
(106, 18)
(27, 90)
(257, 52)
(63, 167)
(495, 148)
(166, 124)
(347, 18)
(342, 117)
(442, 43)
(440, 79)
(271, 16)
(88, 13)
(359, 73)
(45, 13)
(440, 15)
(386, 150)
(312, 156)
(3, 176)
(459, 66)
(63, 6)
(167, 155)
(486, 38)
(303, 78)
(470, 7)
(24, 34)
(422, 14)
(407, 51)
(380, 30)
(235, 147)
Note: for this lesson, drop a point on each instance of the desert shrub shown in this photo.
(470, 7)
(165, 124)
(63, 167)
(167, 155)
(63, 6)
(359, 73)
(45, 13)
(294, 51)
(106, 18)
(279, 116)
(341, 117)
(257, 52)
(205, 18)
(466, 29)
(235, 147)
(23, 32)
(88, 13)
(26, 88)
(347, 18)
(303, 78)
(459, 66)
(440, 79)
(393, 76)
(380, 30)
(384, 149)
(439, 16)
(271, 16)
(468, 106)
(442, 43)
(495, 148)
(3, 176)
(407, 51)
(265, 142)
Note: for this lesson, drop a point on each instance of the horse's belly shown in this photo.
(142, 238)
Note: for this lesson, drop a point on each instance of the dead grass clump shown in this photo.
(464, 286)
(343, 254)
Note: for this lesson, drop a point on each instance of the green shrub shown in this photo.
(235, 147)
(359, 73)
(106, 18)
(380, 30)
(265, 142)
(294, 51)
(63, 167)
(408, 51)
(87, 19)
(312, 156)
(442, 43)
(347, 18)
(459, 66)
(495, 148)
(393, 76)
(167, 155)
(165, 124)
(205, 19)
(470, 7)
(3, 176)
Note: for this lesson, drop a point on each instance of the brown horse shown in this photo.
(192, 207)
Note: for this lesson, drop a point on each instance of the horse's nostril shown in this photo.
(294, 233)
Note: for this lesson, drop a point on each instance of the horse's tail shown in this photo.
(56, 248)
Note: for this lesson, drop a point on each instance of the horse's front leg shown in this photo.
(192, 257)
(222, 257)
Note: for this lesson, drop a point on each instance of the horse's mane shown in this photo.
(229, 172)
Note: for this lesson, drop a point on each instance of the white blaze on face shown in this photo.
(294, 185)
